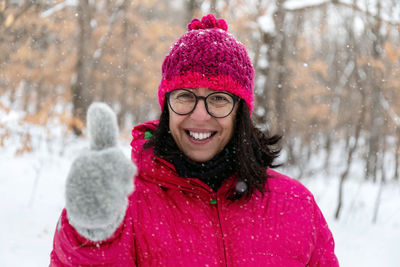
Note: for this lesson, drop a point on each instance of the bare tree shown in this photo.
(275, 85)
(128, 42)
(376, 76)
(81, 95)
(192, 6)
(356, 136)
(397, 156)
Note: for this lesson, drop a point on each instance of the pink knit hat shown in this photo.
(208, 56)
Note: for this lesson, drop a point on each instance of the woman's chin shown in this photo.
(200, 156)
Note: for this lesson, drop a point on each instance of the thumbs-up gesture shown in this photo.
(100, 179)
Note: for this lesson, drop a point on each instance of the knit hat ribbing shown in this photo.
(208, 56)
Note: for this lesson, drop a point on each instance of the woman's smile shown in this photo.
(200, 135)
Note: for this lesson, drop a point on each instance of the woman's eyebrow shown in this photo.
(191, 89)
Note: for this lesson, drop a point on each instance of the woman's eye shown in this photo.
(219, 99)
(185, 96)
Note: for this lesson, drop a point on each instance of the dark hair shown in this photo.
(255, 151)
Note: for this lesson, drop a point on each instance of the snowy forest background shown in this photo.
(327, 78)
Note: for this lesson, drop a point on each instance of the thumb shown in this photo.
(102, 126)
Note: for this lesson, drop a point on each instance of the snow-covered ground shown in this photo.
(359, 241)
(32, 197)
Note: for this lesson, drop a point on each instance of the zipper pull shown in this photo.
(213, 200)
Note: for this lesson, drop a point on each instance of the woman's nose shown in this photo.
(200, 112)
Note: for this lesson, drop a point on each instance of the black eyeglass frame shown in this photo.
(235, 100)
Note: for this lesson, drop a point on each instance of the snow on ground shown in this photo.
(32, 197)
(359, 242)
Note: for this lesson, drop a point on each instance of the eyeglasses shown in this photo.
(218, 104)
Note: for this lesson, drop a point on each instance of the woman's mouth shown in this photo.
(200, 136)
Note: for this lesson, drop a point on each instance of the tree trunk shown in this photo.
(274, 87)
(40, 95)
(375, 114)
(280, 70)
(191, 7)
(352, 148)
(328, 150)
(123, 99)
(397, 156)
(81, 97)
(379, 195)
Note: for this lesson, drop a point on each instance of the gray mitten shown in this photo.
(100, 179)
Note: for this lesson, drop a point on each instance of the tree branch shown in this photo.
(386, 106)
(354, 7)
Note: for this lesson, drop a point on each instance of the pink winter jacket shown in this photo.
(174, 221)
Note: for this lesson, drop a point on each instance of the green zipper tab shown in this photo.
(213, 202)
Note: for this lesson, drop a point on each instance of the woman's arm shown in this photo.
(324, 250)
(95, 228)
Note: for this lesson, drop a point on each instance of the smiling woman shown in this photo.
(205, 192)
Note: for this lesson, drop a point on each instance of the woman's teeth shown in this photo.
(200, 136)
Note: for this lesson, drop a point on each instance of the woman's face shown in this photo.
(199, 135)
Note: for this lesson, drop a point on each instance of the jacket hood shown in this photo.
(140, 137)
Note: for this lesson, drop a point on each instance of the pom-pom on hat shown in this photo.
(208, 56)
